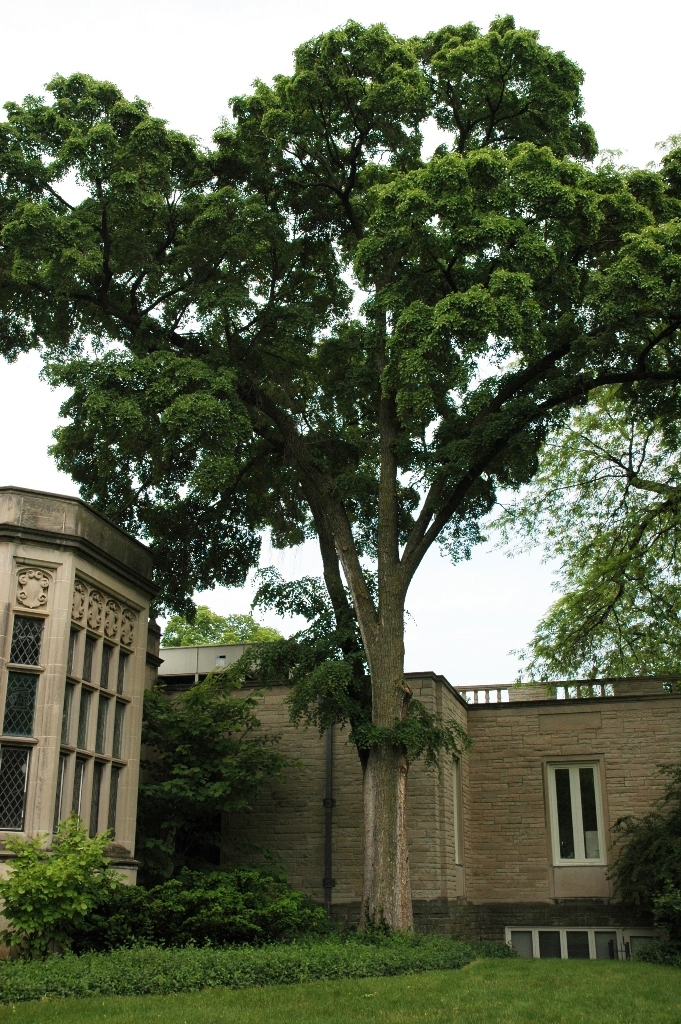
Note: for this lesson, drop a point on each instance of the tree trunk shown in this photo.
(387, 885)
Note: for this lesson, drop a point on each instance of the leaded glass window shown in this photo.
(27, 636)
(84, 719)
(113, 799)
(13, 776)
(87, 658)
(118, 729)
(78, 778)
(100, 736)
(19, 704)
(61, 769)
(66, 712)
(122, 670)
(73, 641)
(106, 665)
(96, 793)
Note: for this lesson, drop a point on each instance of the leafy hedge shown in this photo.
(217, 908)
(667, 953)
(155, 971)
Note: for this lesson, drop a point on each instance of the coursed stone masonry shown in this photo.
(479, 832)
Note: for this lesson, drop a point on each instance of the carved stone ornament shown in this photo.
(95, 610)
(32, 588)
(128, 627)
(112, 618)
(79, 601)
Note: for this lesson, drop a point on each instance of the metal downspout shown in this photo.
(329, 803)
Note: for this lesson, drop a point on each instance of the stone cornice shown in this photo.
(64, 522)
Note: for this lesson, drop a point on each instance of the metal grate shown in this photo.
(113, 799)
(87, 658)
(118, 729)
(27, 637)
(19, 704)
(106, 665)
(96, 792)
(100, 735)
(122, 671)
(13, 775)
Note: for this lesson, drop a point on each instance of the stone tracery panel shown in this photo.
(103, 614)
(79, 603)
(95, 610)
(128, 621)
(112, 616)
(32, 587)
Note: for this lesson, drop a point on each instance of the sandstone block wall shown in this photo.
(508, 850)
(479, 834)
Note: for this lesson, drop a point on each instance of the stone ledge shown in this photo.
(487, 921)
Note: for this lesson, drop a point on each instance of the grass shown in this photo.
(486, 992)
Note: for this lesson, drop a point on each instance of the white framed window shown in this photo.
(575, 804)
(604, 943)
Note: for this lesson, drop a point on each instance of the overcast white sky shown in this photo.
(187, 58)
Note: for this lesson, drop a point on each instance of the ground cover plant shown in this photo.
(485, 992)
(155, 971)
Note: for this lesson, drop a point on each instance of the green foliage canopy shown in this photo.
(606, 502)
(199, 305)
(210, 628)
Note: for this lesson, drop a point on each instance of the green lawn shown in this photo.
(486, 992)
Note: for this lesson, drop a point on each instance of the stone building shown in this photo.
(74, 662)
(513, 842)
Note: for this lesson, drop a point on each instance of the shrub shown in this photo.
(667, 908)
(647, 871)
(244, 906)
(47, 894)
(666, 953)
(154, 971)
(208, 757)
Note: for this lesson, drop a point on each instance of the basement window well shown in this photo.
(578, 943)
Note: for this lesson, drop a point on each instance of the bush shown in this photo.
(647, 872)
(244, 906)
(666, 953)
(154, 971)
(208, 757)
(47, 894)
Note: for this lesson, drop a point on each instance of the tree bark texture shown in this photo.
(387, 885)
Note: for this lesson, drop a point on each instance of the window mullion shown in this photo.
(577, 819)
